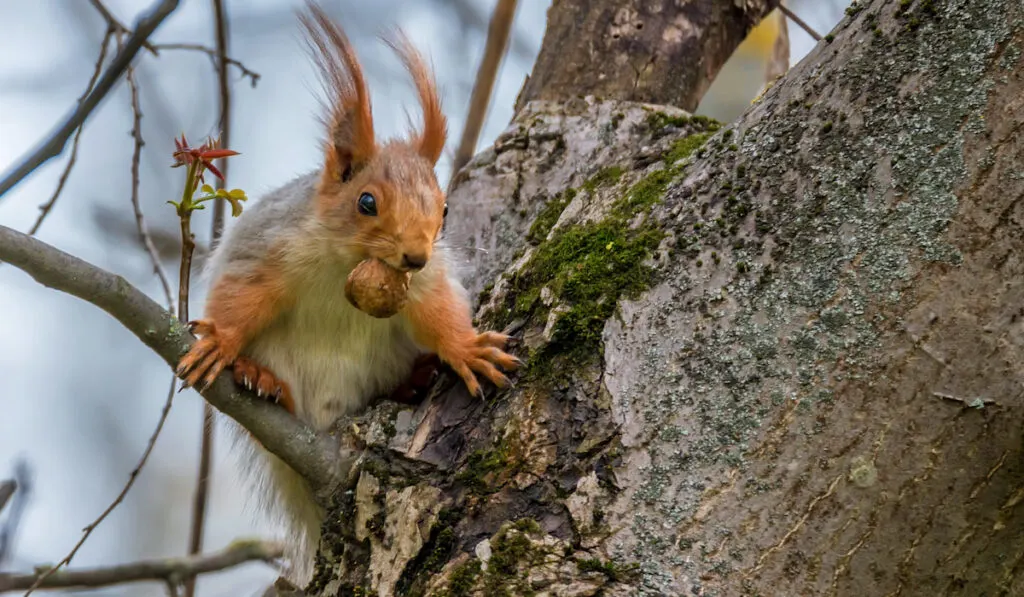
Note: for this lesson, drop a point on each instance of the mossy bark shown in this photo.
(801, 373)
(653, 51)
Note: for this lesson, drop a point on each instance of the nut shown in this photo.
(377, 289)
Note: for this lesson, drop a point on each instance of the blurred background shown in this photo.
(80, 395)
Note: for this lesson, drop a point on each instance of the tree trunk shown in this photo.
(654, 51)
(777, 358)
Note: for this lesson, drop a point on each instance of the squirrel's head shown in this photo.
(377, 200)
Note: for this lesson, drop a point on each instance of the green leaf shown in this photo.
(175, 204)
(223, 194)
(206, 188)
(236, 206)
(238, 194)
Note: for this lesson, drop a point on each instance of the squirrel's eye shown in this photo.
(445, 210)
(367, 205)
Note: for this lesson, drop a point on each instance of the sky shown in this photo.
(81, 394)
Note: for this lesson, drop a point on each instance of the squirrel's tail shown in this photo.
(282, 494)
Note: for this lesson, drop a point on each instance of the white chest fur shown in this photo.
(334, 357)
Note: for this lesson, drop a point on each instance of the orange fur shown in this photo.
(441, 322)
(237, 309)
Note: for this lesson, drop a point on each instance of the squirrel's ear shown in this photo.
(349, 119)
(430, 142)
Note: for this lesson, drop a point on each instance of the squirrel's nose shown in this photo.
(414, 261)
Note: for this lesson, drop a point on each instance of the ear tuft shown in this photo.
(430, 142)
(348, 114)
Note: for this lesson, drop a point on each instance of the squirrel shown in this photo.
(276, 312)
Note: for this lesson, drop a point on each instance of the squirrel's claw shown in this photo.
(207, 357)
(483, 357)
(261, 380)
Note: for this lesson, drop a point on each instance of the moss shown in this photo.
(475, 473)
(685, 147)
(431, 559)
(548, 216)
(510, 549)
(605, 177)
(829, 37)
(462, 580)
(613, 571)
(659, 120)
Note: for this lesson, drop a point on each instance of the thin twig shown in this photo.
(800, 22)
(206, 442)
(55, 142)
(140, 222)
(38, 581)
(9, 530)
(494, 50)
(315, 456)
(215, 57)
(7, 489)
(44, 209)
(116, 25)
(169, 570)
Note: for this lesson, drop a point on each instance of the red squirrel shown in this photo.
(276, 311)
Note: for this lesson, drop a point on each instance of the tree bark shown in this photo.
(778, 358)
(653, 51)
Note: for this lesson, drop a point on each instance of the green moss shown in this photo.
(613, 571)
(549, 215)
(659, 120)
(462, 579)
(480, 465)
(605, 177)
(685, 147)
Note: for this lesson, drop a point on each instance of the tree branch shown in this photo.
(42, 578)
(215, 56)
(195, 543)
(7, 489)
(170, 570)
(44, 209)
(58, 139)
(317, 457)
(494, 51)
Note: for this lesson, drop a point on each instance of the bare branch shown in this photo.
(7, 489)
(215, 56)
(22, 483)
(54, 144)
(317, 457)
(169, 570)
(140, 223)
(206, 441)
(115, 25)
(497, 42)
(87, 531)
(44, 209)
(800, 22)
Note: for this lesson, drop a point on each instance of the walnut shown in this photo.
(377, 289)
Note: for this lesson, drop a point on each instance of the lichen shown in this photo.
(803, 234)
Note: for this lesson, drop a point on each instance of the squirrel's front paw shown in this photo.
(480, 354)
(261, 380)
(210, 355)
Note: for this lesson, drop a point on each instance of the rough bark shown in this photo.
(653, 51)
(798, 373)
